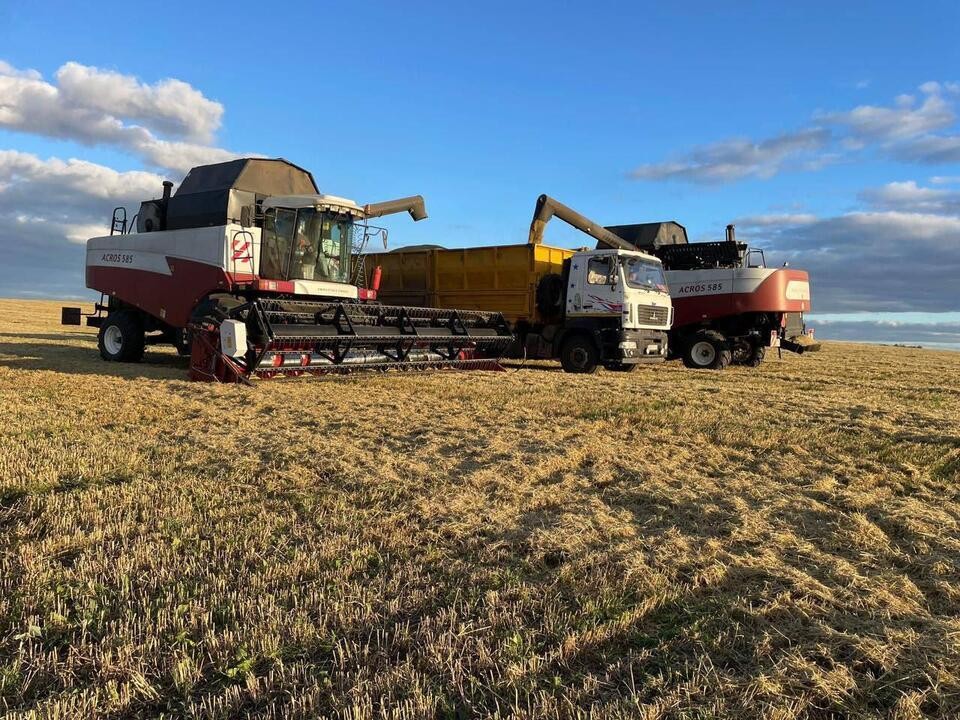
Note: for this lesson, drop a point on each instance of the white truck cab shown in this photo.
(619, 298)
(619, 283)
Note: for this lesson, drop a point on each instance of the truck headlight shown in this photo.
(628, 345)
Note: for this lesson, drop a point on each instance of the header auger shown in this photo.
(248, 269)
(268, 338)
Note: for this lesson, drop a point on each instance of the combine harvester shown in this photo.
(729, 305)
(607, 307)
(247, 268)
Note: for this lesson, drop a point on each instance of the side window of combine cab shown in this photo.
(277, 240)
(598, 270)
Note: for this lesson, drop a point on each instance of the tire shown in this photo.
(579, 354)
(751, 356)
(621, 367)
(181, 341)
(707, 350)
(121, 337)
(550, 295)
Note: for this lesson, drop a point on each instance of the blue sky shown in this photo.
(827, 131)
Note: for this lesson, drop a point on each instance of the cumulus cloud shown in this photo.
(910, 129)
(736, 159)
(171, 107)
(98, 107)
(906, 119)
(929, 150)
(49, 208)
(874, 261)
(775, 220)
(910, 197)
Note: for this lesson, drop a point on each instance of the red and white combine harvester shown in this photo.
(250, 270)
(728, 306)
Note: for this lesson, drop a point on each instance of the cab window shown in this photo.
(598, 270)
(278, 229)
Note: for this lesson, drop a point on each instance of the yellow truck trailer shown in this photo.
(503, 278)
(608, 306)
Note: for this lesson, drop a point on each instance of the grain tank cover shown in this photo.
(216, 194)
(650, 236)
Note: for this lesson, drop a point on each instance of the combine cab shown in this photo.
(248, 268)
(729, 306)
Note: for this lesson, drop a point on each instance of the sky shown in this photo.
(829, 133)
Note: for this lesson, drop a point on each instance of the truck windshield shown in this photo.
(644, 274)
(308, 244)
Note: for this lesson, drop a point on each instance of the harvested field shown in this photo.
(771, 543)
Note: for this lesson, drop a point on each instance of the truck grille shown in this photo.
(652, 315)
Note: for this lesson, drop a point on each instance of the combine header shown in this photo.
(248, 268)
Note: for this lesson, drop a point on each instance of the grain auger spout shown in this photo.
(547, 208)
(248, 269)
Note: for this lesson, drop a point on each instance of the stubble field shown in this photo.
(772, 543)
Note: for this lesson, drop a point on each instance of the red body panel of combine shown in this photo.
(707, 295)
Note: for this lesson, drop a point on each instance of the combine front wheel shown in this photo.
(121, 337)
(707, 350)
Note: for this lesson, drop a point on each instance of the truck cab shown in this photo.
(620, 301)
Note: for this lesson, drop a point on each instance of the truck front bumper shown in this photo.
(642, 346)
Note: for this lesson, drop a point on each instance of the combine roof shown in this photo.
(264, 176)
(649, 236)
(216, 194)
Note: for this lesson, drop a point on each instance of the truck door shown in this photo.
(593, 288)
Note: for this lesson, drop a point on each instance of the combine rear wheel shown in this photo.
(707, 350)
(121, 337)
(579, 355)
(748, 353)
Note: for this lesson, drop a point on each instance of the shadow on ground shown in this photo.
(85, 360)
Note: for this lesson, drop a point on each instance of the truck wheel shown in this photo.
(707, 350)
(121, 337)
(579, 355)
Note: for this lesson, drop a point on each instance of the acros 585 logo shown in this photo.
(118, 258)
(700, 288)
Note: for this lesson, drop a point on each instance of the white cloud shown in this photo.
(171, 107)
(905, 130)
(776, 220)
(8, 69)
(910, 197)
(46, 202)
(930, 149)
(737, 158)
(49, 208)
(874, 261)
(905, 120)
(93, 106)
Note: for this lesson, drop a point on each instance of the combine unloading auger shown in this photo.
(269, 338)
